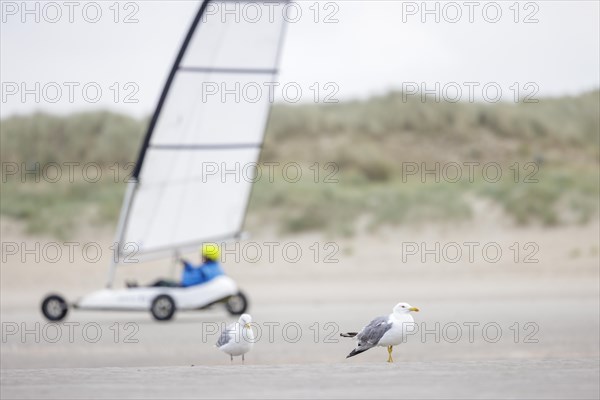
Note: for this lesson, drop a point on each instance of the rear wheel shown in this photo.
(237, 304)
(163, 307)
(55, 308)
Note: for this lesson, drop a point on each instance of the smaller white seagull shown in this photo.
(386, 331)
(237, 339)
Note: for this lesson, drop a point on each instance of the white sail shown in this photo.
(204, 126)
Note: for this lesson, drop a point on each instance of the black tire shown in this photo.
(163, 307)
(54, 308)
(237, 304)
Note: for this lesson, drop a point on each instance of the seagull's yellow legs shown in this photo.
(390, 359)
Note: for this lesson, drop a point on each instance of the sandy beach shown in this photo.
(508, 330)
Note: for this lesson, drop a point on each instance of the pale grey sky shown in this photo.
(369, 47)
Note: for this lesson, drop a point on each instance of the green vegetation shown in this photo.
(101, 137)
(561, 196)
(336, 207)
(365, 153)
(59, 208)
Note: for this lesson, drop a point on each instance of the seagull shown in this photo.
(386, 331)
(237, 339)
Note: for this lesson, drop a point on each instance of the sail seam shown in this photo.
(229, 70)
(233, 146)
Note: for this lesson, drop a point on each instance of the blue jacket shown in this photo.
(196, 275)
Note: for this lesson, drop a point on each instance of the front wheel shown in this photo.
(237, 304)
(163, 307)
(54, 308)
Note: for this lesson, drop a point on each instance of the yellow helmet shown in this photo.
(211, 251)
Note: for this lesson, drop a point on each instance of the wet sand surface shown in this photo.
(550, 379)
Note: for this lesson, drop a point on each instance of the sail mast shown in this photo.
(116, 255)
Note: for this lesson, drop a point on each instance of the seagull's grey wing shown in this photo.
(370, 335)
(225, 336)
(223, 339)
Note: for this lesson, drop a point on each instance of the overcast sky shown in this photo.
(368, 47)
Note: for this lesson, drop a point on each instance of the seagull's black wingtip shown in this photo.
(355, 352)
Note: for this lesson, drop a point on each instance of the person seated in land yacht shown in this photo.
(195, 275)
(209, 268)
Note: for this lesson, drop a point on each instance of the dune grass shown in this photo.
(368, 142)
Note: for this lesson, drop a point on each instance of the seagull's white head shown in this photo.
(245, 320)
(404, 308)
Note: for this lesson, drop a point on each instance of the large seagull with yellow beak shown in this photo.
(388, 331)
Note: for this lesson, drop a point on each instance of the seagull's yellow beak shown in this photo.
(415, 309)
(247, 326)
